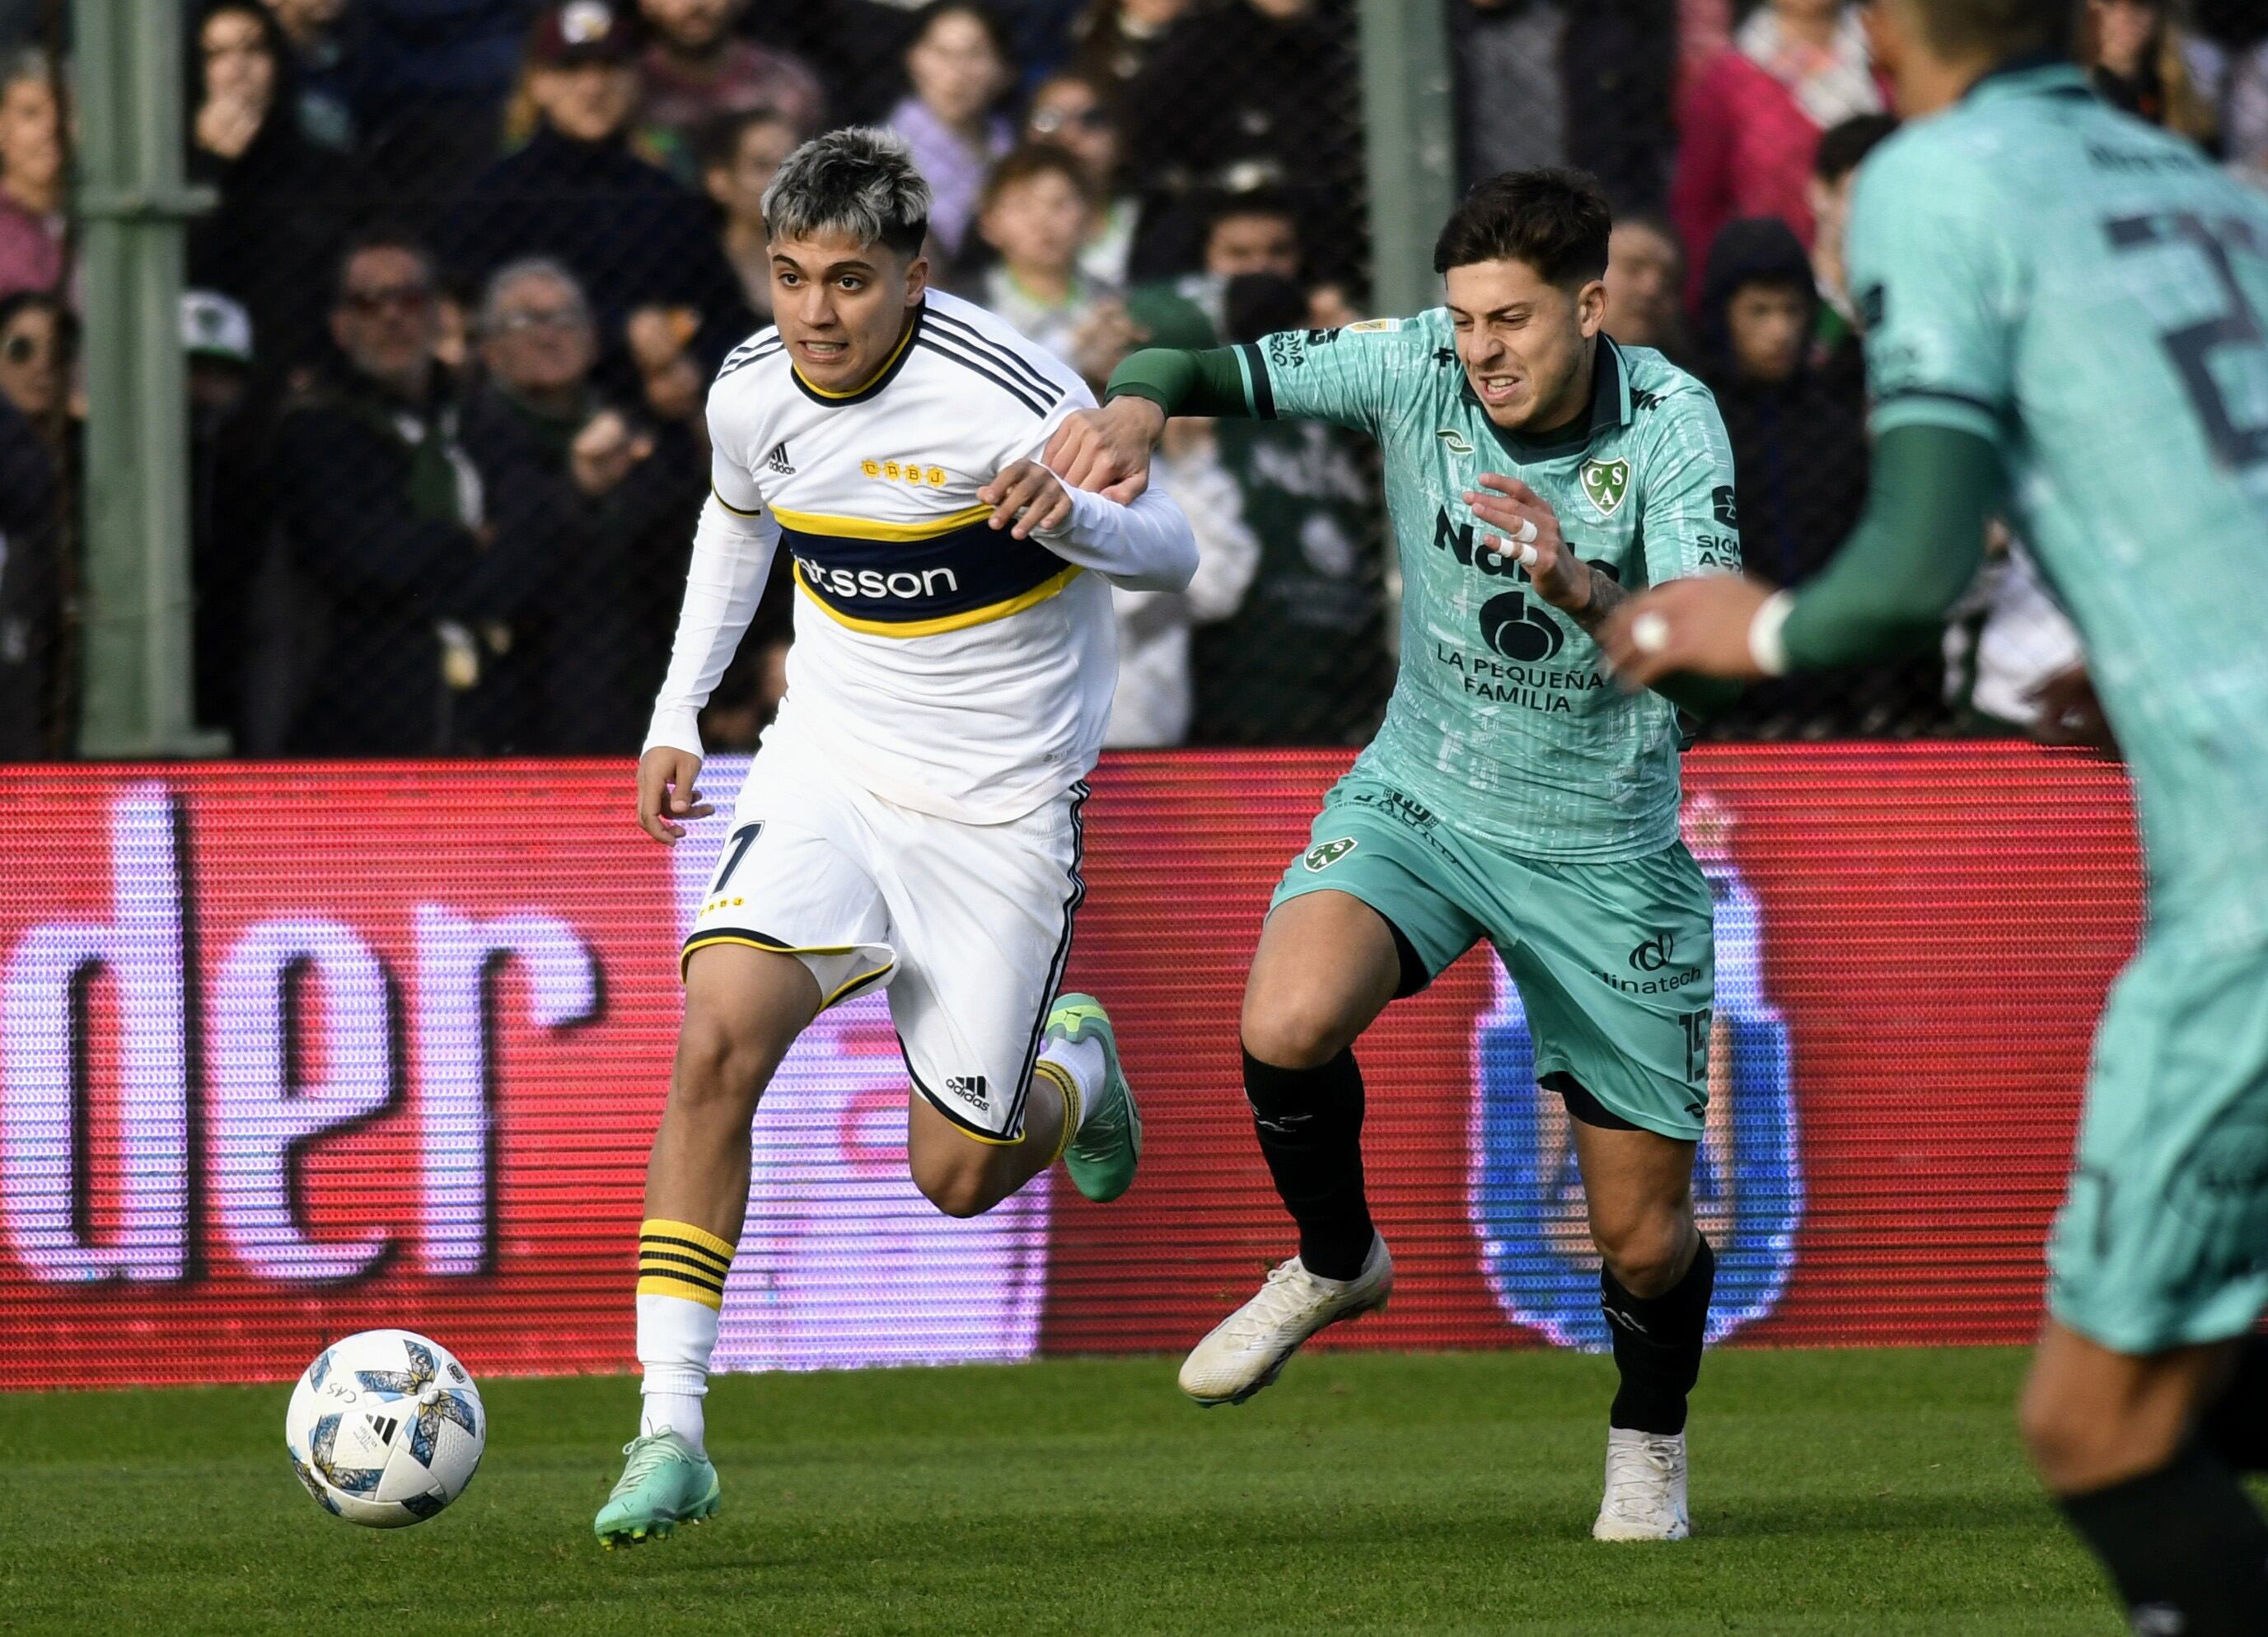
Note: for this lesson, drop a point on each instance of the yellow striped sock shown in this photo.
(1060, 1078)
(678, 1259)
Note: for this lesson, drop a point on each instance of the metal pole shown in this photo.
(131, 203)
(1409, 120)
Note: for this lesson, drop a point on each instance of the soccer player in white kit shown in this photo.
(913, 818)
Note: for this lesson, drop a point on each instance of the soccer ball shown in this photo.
(386, 1428)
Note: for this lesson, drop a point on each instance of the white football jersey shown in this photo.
(945, 665)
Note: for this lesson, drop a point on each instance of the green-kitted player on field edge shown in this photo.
(1534, 470)
(2069, 307)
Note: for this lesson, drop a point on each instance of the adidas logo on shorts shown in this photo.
(970, 1088)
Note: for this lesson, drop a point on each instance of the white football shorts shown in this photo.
(968, 926)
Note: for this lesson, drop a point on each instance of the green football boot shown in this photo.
(665, 1482)
(1102, 1156)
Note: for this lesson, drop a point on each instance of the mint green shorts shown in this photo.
(2162, 1240)
(1615, 962)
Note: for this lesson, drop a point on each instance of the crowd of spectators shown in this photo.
(473, 263)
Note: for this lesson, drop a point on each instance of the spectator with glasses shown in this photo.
(581, 497)
(378, 529)
(1074, 110)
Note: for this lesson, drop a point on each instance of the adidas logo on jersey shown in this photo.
(777, 462)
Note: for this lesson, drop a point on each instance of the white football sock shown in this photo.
(674, 1339)
(1083, 1061)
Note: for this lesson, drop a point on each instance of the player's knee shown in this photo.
(1296, 1027)
(955, 1187)
(1646, 1251)
(2079, 1442)
(722, 1068)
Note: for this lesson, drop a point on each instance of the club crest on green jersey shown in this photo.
(1455, 441)
(1324, 854)
(1606, 482)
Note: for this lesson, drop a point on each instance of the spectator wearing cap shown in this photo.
(740, 154)
(263, 246)
(1076, 111)
(31, 537)
(1253, 93)
(696, 71)
(31, 175)
(227, 497)
(1752, 119)
(359, 646)
(957, 65)
(592, 499)
(633, 236)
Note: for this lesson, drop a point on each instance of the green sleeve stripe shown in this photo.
(1257, 391)
(1954, 411)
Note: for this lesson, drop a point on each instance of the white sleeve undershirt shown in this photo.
(1147, 546)
(732, 559)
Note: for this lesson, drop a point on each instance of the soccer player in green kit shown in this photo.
(2069, 309)
(1534, 471)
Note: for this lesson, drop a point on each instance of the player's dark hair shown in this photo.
(1999, 29)
(1028, 163)
(1845, 147)
(1557, 221)
(379, 236)
(860, 181)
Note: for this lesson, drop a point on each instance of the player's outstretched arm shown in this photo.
(1144, 546)
(1915, 550)
(1107, 451)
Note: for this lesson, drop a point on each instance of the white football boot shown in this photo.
(1248, 1349)
(1645, 1488)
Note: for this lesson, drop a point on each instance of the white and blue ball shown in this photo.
(386, 1428)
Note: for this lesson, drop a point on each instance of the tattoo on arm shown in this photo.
(1606, 596)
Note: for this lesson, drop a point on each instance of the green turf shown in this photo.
(1874, 1492)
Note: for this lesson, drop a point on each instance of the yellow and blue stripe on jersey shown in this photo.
(915, 579)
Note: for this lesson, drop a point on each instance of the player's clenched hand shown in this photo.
(1697, 626)
(1107, 451)
(666, 792)
(1025, 498)
(1528, 530)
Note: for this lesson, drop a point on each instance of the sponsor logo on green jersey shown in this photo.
(1454, 440)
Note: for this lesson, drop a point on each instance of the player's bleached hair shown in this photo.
(860, 182)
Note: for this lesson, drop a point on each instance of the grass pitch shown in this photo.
(1874, 1492)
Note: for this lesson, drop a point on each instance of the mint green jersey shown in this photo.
(1502, 718)
(2091, 296)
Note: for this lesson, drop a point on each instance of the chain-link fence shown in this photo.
(474, 262)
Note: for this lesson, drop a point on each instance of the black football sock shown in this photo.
(1658, 1346)
(2183, 1545)
(1310, 1127)
(2237, 1427)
